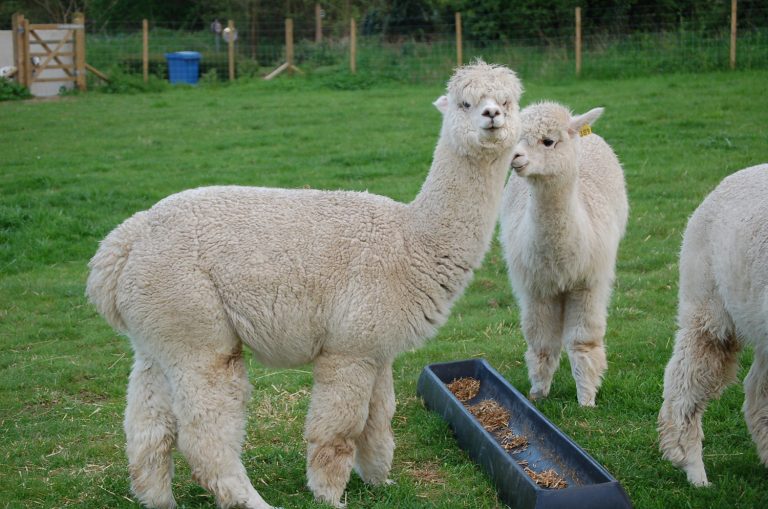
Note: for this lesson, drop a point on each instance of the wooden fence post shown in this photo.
(318, 24)
(145, 49)
(289, 44)
(80, 82)
(231, 50)
(459, 43)
(733, 34)
(27, 63)
(288, 64)
(20, 59)
(352, 46)
(577, 41)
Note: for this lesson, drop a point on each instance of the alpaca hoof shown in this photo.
(374, 475)
(536, 395)
(380, 482)
(162, 502)
(331, 500)
(696, 475)
(700, 484)
(337, 505)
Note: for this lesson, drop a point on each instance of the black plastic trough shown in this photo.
(589, 484)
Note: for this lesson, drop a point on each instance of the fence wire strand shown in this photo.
(418, 51)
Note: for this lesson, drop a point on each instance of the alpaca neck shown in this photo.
(557, 213)
(455, 212)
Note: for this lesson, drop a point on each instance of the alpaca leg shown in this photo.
(585, 318)
(756, 404)
(150, 430)
(337, 416)
(542, 327)
(210, 396)
(376, 444)
(701, 366)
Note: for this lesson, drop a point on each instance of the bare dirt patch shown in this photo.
(424, 473)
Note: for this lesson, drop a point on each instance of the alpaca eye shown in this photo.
(465, 105)
(505, 103)
(547, 142)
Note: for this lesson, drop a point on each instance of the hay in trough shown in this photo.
(464, 388)
(495, 419)
(546, 479)
(511, 442)
(491, 415)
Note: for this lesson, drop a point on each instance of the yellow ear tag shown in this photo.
(585, 130)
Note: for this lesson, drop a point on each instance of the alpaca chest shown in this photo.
(551, 268)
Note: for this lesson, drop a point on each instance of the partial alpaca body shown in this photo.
(563, 215)
(344, 280)
(723, 304)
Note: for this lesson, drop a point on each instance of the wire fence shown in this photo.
(427, 52)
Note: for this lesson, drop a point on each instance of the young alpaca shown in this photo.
(723, 303)
(345, 280)
(562, 218)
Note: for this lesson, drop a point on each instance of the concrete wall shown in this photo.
(6, 48)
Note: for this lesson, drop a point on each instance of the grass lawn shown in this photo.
(72, 169)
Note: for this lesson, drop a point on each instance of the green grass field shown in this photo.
(72, 169)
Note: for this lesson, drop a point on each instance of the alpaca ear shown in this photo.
(441, 103)
(581, 123)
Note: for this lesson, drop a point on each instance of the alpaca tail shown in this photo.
(107, 265)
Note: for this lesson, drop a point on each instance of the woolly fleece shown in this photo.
(563, 215)
(344, 280)
(723, 305)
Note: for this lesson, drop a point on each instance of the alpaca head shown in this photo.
(480, 111)
(549, 142)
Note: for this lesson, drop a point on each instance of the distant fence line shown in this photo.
(430, 53)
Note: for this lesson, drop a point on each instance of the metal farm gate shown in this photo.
(49, 53)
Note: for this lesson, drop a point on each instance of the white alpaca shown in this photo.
(723, 303)
(344, 280)
(562, 217)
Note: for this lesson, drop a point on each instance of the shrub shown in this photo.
(121, 82)
(10, 90)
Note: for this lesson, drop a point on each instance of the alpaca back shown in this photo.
(724, 256)
(603, 190)
(288, 268)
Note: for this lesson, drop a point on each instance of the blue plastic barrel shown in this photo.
(183, 66)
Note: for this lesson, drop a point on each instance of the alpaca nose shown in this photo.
(519, 161)
(491, 111)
